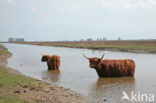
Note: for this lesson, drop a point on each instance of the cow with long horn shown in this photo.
(112, 68)
(53, 61)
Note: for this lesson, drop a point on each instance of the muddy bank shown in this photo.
(35, 91)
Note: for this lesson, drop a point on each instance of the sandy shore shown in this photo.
(42, 92)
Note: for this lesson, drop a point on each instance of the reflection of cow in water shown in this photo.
(112, 68)
(53, 61)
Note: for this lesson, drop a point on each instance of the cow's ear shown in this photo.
(99, 60)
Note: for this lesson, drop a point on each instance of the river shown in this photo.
(76, 75)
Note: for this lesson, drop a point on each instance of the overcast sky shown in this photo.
(50, 20)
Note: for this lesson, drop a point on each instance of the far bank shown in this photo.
(136, 46)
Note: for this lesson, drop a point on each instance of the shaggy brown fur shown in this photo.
(53, 61)
(112, 68)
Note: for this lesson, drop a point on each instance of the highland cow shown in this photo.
(53, 61)
(112, 68)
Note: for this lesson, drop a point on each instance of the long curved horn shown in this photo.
(85, 56)
(102, 56)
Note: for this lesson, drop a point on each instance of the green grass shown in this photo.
(8, 80)
(3, 50)
(12, 99)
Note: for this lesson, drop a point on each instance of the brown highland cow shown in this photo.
(112, 68)
(53, 61)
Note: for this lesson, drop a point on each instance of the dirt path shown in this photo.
(38, 91)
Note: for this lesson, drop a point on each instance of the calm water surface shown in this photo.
(75, 72)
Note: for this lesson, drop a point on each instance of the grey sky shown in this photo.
(75, 19)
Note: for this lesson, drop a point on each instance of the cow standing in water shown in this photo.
(112, 68)
(53, 61)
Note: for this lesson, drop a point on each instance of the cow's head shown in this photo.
(94, 61)
(44, 58)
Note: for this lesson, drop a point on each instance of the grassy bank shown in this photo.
(3, 50)
(16, 88)
(147, 46)
(8, 83)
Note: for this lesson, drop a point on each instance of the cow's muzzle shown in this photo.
(91, 66)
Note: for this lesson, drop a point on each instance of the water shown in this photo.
(75, 72)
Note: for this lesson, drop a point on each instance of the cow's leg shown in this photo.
(56, 65)
(53, 65)
(130, 72)
(49, 67)
(54, 68)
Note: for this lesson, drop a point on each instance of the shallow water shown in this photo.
(75, 72)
